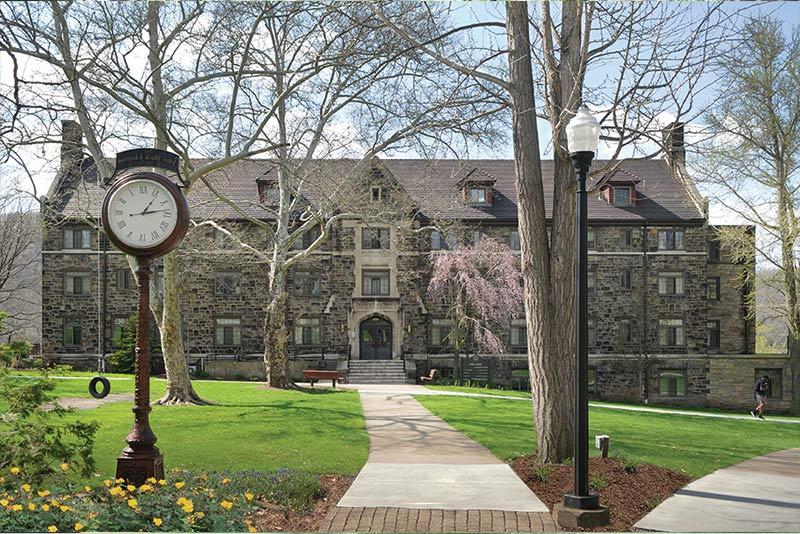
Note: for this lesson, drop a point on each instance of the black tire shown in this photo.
(106, 387)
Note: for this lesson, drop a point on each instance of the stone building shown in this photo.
(668, 318)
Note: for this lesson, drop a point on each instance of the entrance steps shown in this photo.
(376, 372)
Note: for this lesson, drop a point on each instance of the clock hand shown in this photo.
(148, 207)
(145, 212)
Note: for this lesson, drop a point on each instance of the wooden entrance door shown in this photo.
(375, 339)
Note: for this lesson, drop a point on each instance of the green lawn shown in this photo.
(696, 445)
(249, 428)
(483, 391)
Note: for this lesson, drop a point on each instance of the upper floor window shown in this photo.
(125, 279)
(671, 333)
(713, 334)
(622, 196)
(226, 284)
(671, 240)
(307, 239)
(513, 240)
(228, 332)
(374, 239)
(477, 195)
(307, 331)
(591, 239)
(713, 250)
(712, 287)
(77, 238)
(626, 237)
(442, 333)
(377, 193)
(77, 283)
(519, 333)
(375, 283)
(441, 241)
(591, 282)
(625, 331)
(307, 283)
(671, 284)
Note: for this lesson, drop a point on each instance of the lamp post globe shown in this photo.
(583, 136)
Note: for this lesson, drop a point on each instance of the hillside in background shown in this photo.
(771, 328)
(20, 296)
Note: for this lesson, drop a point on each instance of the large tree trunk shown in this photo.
(276, 340)
(787, 222)
(551, 385)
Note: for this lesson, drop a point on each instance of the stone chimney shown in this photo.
(71, 147)
(673, 138)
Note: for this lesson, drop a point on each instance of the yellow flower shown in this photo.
(226, 504)
(251, 528)
(133, 503)
(31, 506)
(64, 466)
(78, 527)
(54, 502)
(14, 470)
(116, 491)
(180, 485)
(119, 480)
(200, 515)
(249, 496)
(151, 480)
(43, 493)
(145, 487)
(46, 507)
(26, 488)
(188, 507)
(52, 528)
(157, 521)
(64, 508)
(3, 503)
(17, 507)
(107, 483)
(131, 488)
(162, 482)
(87, 489)
(182, 500)
(226, 480)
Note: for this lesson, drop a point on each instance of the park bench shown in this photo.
(431, 377)
(313, 375)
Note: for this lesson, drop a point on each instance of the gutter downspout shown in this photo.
(645, 330)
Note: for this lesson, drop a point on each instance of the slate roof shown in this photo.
(431, 185)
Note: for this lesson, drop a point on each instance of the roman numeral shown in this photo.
(164, 225)
(129, 233)
(164, 202)
(155, 193)
(117, 212)
(121, 224)
(142, 238)
(123, 201)
(154, 234)
(142, 190)
(168, 213)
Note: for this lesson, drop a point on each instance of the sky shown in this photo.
(788, 12)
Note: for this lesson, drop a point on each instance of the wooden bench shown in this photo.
(432, 376)
(313, 375)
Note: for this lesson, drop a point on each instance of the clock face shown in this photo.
(142, 213)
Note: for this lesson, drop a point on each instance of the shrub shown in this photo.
(597, 482)
(33, 434)
(542, 472)
(123, 359)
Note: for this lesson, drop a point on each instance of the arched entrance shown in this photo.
(375, 339)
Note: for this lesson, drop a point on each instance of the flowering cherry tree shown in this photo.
(481, 287)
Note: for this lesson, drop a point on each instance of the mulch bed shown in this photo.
(272, 518)
(629, 495)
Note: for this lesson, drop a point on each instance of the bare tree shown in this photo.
(749, 162)
(646, 59)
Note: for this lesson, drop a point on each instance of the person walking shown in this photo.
(762, 387)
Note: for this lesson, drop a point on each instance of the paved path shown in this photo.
(424, 476)
(758, 495)
(88, 403)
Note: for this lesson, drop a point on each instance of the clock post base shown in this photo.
(137, 469)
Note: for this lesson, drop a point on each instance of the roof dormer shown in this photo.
(477, 187)
(267, 185)
(620, 191)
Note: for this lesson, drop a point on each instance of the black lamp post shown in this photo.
(583, 135)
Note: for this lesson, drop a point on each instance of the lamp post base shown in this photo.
(573, 518)
(137, 469)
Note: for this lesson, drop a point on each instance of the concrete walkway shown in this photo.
(422, 475)
(758, 495)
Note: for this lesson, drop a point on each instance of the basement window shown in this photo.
(672, 383)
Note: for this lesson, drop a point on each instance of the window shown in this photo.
(77, 238)
(671, 240)
(513, 240)
(116, 331)
(77, 283)
(475, 237)
(775, 389)
(307, 239)
(591, 336)
(375, 283)
(307, 283)
(713, 250)
(228, 332)
(374, 239)
(590, 239)
(713, 334)
(307, 331)
(442, 333)
(625, 331)
(72, 334)
(626, 237)
(377, 194)
(592, 381)
(622, 196)
(226, 284)
(477, 195)
(125, 279)
(671, 333)
(671, 283)
(672, 383)
(625, 279)
(712, 286)
(519, 333)
(591, 282)
(441, 241)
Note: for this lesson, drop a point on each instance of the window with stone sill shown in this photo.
(671, 283)
(77, 239)
(77, 283)
(591, 283)
(125, 279)
(671, 333)
(307, 282)
(375, 283)
(378, 194)
(307, 331)
(713, 250)
(591, 334)
(626, 237)
(519, 333)
(672, 383)
(226, 284)
(307, 239)
(591, 242)
(671, 240)
(775, 389)
(625, 331)
(228, 332)
(513, 240)
(375, 239)
(625, 279)
(712, 286)
(442, 334)
(72, 333)
(713, 334)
